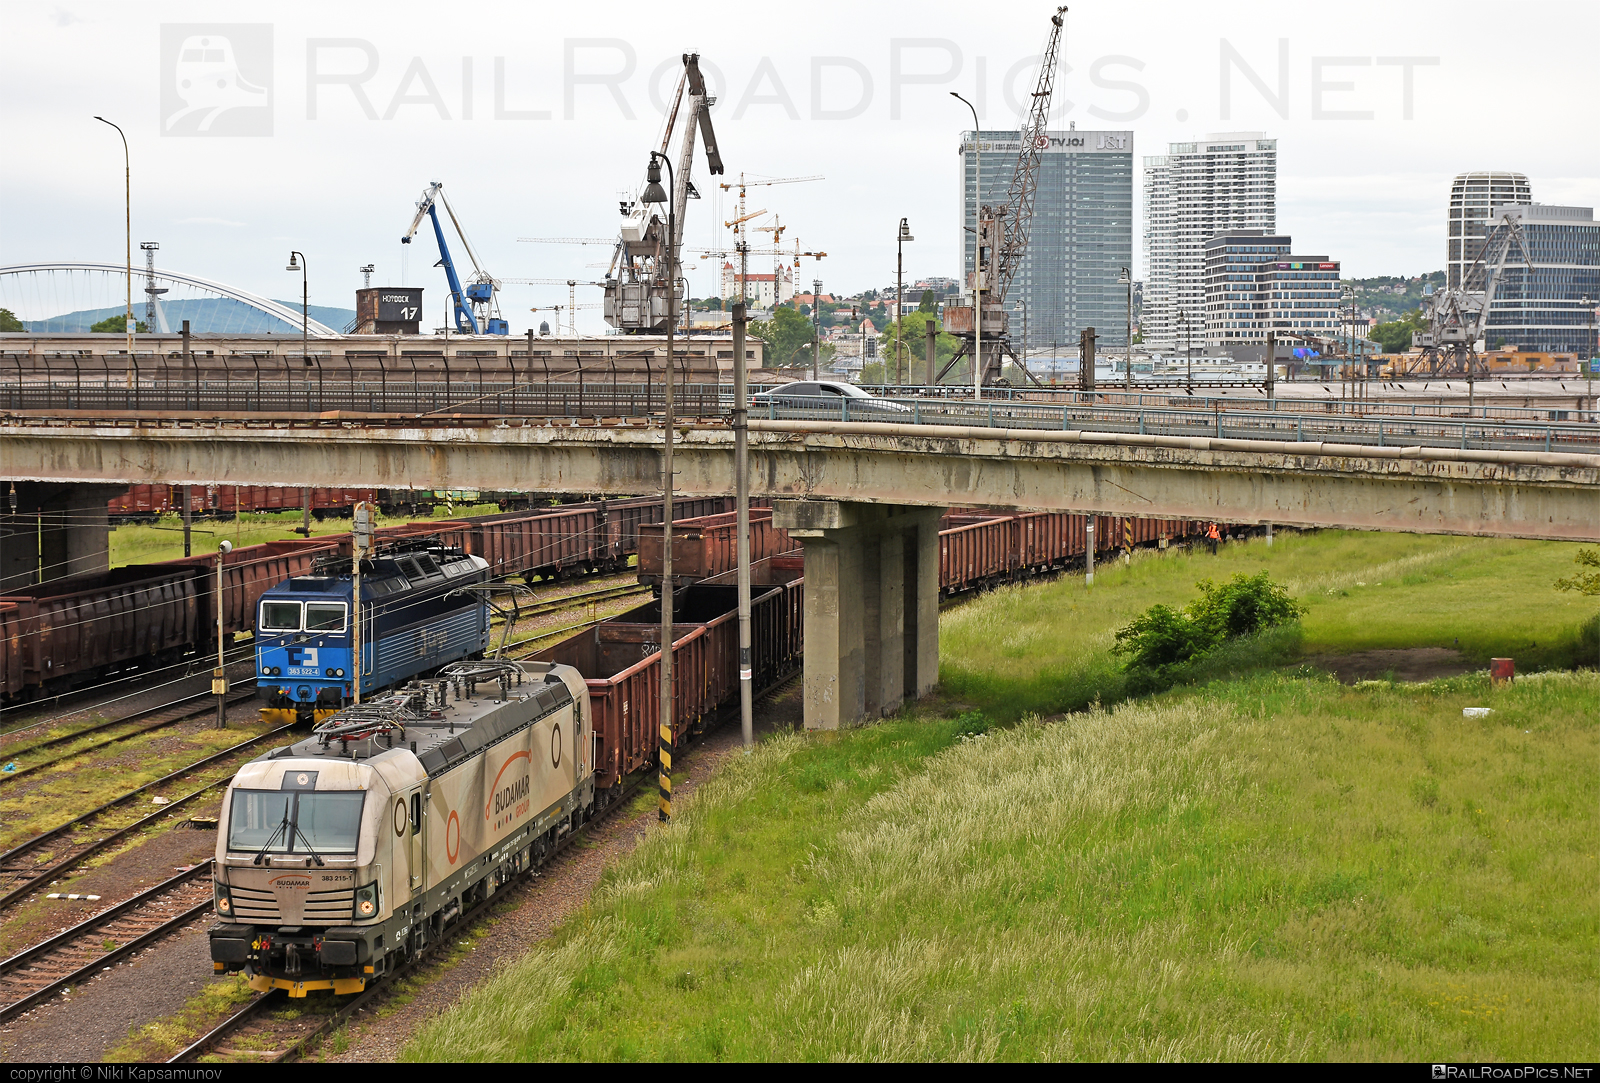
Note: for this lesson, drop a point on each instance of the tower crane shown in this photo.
(476, 306)
(1458, 317)
(1002, 233)
(636, 298)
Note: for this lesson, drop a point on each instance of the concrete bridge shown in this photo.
(864, 497)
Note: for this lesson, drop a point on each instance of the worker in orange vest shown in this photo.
(1213, 536)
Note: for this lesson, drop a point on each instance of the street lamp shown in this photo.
(1188, 349)
(298, 262)
(655, 194)
(899, 294)
(127, 191)
(977, 248)
(1126, 279)
(1590, 348)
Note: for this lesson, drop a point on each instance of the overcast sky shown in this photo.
(537, 116)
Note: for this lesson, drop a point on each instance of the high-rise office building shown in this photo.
(1193, 193)
(1254, 284)
(1472, 197)
(1542, 309)
(1080, 239)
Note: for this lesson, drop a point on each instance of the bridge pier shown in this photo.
(871, 606)
(55, 531)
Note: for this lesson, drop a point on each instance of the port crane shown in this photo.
(636, 283)
(1002, 235)
(1459, 317)
(476, 305)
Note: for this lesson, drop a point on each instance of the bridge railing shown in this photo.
(425, 401)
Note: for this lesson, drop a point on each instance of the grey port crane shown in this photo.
(637, 281)
(1458, 317)
(1002, 236)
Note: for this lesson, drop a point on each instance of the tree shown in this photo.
(914, 325)
(117, 325)
(928, 302)
(9, 321)
(1586, 582)
(787, 335)
(1396, 335)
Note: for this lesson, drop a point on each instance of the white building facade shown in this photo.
(1224, 182)
(760, 290)
(1473, 197)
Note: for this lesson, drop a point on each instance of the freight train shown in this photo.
(418, 612)
(75, 631)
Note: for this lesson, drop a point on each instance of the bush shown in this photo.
(1243, 607)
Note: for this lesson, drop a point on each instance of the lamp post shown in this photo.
(1126, 279)
(977, 249)
(298, 262)
(219, 676)
(899, 294)
(653, 193)
(127, 191)
(1590, 348)
(1188, 349)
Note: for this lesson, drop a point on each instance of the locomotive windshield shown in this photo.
(280, 616)
(324, 616)
(288, 822)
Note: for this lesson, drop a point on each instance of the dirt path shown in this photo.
(1409, 664)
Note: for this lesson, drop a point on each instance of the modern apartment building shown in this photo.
(1473, 196)
(1255, 284)
(1081, 236)
(1227, 181)
(1543, 309)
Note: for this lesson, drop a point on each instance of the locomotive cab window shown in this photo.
(325, 616)
(295, 822)
(280, 616)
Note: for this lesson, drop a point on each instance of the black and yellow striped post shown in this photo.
(664, 778)
(1127, 540)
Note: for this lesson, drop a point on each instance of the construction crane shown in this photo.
(476, 306)
(572, 285)
(1459, 317)
(637, 281)
(1002, 234)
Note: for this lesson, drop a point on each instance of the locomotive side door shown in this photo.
(416, 802)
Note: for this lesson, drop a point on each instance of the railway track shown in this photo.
(97, 943)
(35, 861)
(167, 714)
(252, 1032)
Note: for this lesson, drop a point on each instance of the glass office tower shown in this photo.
(1081, 237)
(1543, 309)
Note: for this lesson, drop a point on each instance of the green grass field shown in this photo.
(1045, 648)
(141, 544)
(1277, 867)
(1272, 865)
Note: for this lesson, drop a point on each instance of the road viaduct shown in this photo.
(865, 498)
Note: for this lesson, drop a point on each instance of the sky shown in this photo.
(316, 126)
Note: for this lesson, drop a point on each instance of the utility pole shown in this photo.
(931, 330)
(1272, 394)
(188, 517)
(653, 193)
(816, 326)
(899, 295)
(741, 483)
(219, 676)
(1086, 360)
(1188, 350)
(360, 542)
(1126, 279)
(1088, 550)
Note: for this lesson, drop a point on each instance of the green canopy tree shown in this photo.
(117, 325)
(9, 321)
(913, 326)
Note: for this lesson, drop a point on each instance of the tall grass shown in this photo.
(1045, 648)
(1277, 867)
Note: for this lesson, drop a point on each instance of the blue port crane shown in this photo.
(476, 306)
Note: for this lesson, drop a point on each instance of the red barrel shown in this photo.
(1501, 670)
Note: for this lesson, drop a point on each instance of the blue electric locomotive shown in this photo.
(414, 618)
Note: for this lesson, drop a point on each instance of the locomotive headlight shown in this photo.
(328, 672)
(224, 901)
(367, 901)
(266, 671)
(338, 673)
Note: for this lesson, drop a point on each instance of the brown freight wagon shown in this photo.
(707, 546)
(620, 660)
(75, 631)
(552, 542)
(246, 575)
(11, 680)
